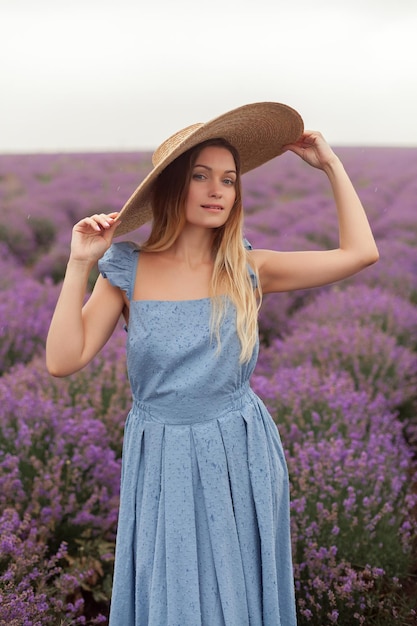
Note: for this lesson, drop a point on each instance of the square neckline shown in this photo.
(156, 300)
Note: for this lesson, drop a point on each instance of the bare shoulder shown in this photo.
(261, 258)
(266, 262)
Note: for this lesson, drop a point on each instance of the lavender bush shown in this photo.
(338, 371)
(374, 359)
(59, 484)
(368, 306)
(351, 525)
(25, 314)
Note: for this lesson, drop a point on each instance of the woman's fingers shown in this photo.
(313, 148)
(98, 222)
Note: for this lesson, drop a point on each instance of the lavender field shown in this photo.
(337, 370)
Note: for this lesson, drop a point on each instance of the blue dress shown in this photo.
(204, 533)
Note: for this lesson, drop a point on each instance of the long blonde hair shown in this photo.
(231, 272)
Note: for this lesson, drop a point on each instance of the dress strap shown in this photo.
(252, 274)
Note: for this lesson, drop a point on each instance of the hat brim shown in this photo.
(258, 131)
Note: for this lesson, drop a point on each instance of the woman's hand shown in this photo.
(314, 149)
(92, 236)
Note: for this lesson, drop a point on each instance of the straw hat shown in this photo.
(258, 131)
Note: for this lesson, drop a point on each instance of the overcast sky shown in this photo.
(124, 74)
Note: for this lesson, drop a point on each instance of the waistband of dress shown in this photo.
(192, 410)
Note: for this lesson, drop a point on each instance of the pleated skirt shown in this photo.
(204, 524)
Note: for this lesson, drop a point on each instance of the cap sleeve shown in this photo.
(118, 265)
(252, 274)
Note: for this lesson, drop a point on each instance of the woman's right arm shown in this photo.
(78, 332)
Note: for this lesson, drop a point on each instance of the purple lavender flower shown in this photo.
(339, 371)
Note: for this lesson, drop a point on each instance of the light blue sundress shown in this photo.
(204, 533)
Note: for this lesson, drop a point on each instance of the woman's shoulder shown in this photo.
(119, 252)
(118, 264)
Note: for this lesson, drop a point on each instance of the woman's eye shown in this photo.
(229, 181)
(198, 176)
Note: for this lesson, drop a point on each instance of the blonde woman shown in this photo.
(204, 531)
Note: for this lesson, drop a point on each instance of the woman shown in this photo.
(203, 535)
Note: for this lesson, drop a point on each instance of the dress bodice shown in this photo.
(174, 364)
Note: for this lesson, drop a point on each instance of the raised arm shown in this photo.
(78, 332)
(286, 271)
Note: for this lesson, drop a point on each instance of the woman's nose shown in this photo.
(215, 190)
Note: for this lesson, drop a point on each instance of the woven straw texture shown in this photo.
(258, 131)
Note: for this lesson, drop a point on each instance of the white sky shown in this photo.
(125, 74)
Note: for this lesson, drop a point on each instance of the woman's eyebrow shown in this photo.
(211, 169)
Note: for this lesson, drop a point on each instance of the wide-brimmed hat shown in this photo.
(259, 132)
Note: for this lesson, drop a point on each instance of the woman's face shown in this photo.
(212, 189)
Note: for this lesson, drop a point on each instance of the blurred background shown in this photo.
(100, 75)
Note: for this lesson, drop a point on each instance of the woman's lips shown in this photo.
(212, 207)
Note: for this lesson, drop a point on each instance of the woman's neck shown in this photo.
(194, 246)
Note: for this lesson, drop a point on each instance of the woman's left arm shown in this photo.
(286, 271)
